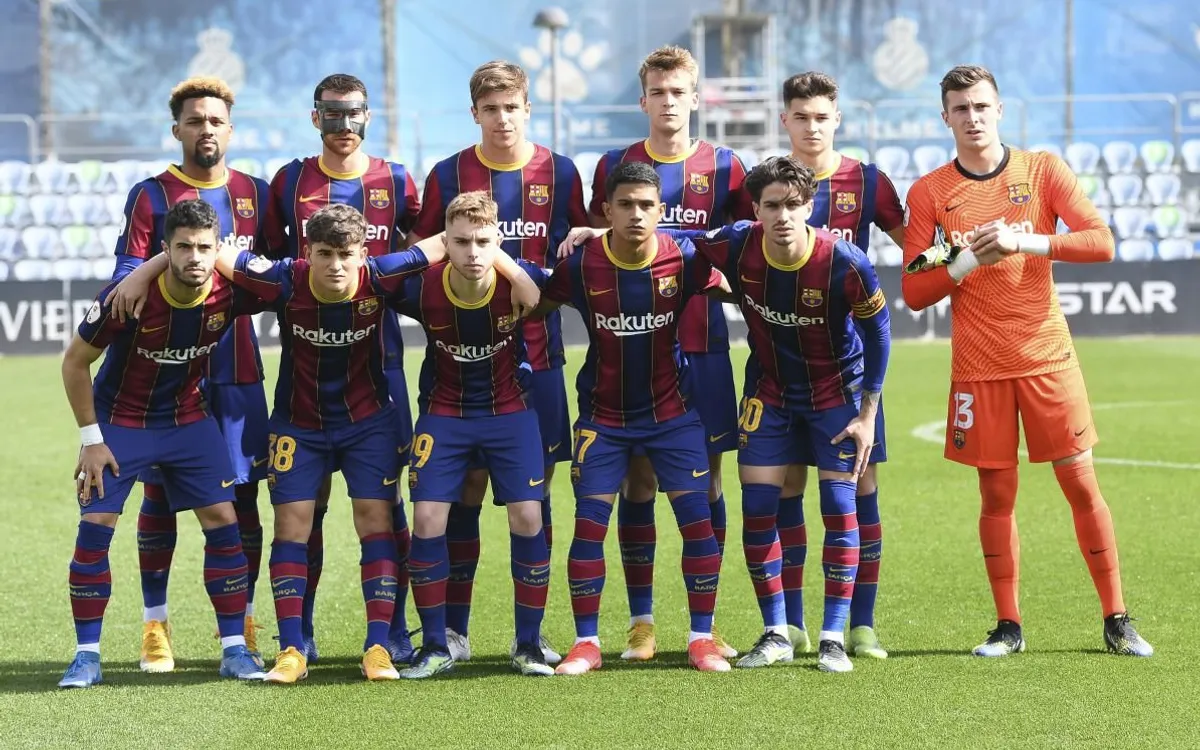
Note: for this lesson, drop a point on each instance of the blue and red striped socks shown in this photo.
(90, 583)
(793, 541)
(227, 580)
(428, 572)
(839, 558)
(531, 583)
(398, 632)
(462, 539)
(585, 565)
(378, 572)
(156, 537)
(701, 561)
(638, 541)
(716, 512)
(250, 529)
(316, 563)
(870, 539)
(289, 581)
(760, 541)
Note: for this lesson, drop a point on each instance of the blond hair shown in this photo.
(200, 87)
(963, 77)
(476, 207)
(498, 76)
(667, 60)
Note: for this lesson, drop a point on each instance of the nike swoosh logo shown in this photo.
(698, 474)
(230, 483)
(259, 462)
(956, 205)
(404, 448)
(553, 448)
(311, 198)
(750, 281)
(1077, 434)
(1096, 551)
(535, 484)
(235, 581)
(536, 572)
(440, 328)
(389, 482)
(152, 330)
(598, 292)
(987, 556)
(715, 438)
(704, 581)
(842, 454)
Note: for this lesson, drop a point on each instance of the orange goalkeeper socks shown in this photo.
(998, 537)
(1094, 531)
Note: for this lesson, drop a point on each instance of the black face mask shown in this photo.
(335, 117)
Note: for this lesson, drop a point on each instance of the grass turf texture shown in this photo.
(934, 606)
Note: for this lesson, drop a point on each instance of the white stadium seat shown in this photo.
(1168, 221)
(1125, 189)
(1119, 156)
(40, 242)
(893, 160)
(1158, 156)
(1190, 150)
(32, 269)
(52, 176)
(1131, 221)
(928, 158)
(14, 177)
(1083, 157)
(1177, 248)
(1163, 188)
(48, 209)
(1135, 250)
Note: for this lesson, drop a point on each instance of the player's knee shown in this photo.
(1077, 458)
(641, 485)
(998, 491)
(867, 483)
(772, 475)
(429, 518)
(715, 480)
(372, 517)
(825, 475)
(215, 516)
(796, 480)
(475, 488)
(101, 519)
(525, 518)
(293, 521)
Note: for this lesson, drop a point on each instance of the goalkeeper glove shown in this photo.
(938, 255)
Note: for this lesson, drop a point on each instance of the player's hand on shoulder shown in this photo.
(525, 298)
(89, 470)
(128, 297)
(576, 237)
(994, 242)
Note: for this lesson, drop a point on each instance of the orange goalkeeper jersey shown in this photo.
(1005, 318)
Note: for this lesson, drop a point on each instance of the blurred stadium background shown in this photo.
(83, 112)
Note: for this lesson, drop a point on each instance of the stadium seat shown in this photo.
(272, 167)
(48, 209)
(114, 204)
(1125, 189)
(1135, 250)
(108, 239)
(1177, 248)
(32, 269)
(86, 208)
(102, 268)
(71, 269)
(252, 167)
(14, 177)
(585, 162)
(151, 168)
(893, 160)
(122, 175)
(902, 187)
(88, 175)
(52, 176)
(40, 242)
(749, 157)
(854, 152)
(1162, 188)
(1158, 156)
(78, 240)
(889, 254)
(9, 243)
(11, 208)
(1083, 157)
(1119, 156)
(928, 158)
(1190, 150)
(1131, 221)
(1106, 216)
(1169, 221)
(3, 271)
(1051, 148)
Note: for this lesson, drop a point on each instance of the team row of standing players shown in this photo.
(539, 196)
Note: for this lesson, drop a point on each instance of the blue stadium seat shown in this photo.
(1177, 248)
(12, 210)
(1135, 250)
(1083, 157)
(1163, 188)
(1119, 156)
(1158, 156)
(1131, 221)
(1125, 189)
(928, 158)
(893, 160)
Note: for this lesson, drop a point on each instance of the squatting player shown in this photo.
(630, 287)
(851, 196)
(146, 409)
(383, 192)
(540, 197)
(200, 108)
(1012, 351)
(702, 188)
(474, 407)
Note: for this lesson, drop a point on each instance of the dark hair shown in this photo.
(786, 169)
(809, 85)
(963, 77)
(631, 173)
(339, 83)
(191, 214)
(337, 225)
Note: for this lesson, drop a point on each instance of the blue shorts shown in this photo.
(774, 436)
(878, 452)
(507, 445)
(241, 413)
(548, 395)
(708, 380)
(398, 390)
(675, 448)
(192, 459)
(365, 453)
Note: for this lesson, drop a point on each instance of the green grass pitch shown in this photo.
(934, 605)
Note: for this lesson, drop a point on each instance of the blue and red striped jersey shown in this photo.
(806, 353)
(331, 368)
(539, 199)
(851, 198)
(475, 362)
(632, 371)
(151, 374)
(703, 189)
(240, 202)
(384, 193)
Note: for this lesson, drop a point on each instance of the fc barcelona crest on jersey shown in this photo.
(1019, 194)
(812, 297)
(846, 202)
(245, 208)
(698, 183)
(215, 322)
(379, 198)
(960, 439)
(539, 195)
(368, 306)
(668, 286)
(506, 323)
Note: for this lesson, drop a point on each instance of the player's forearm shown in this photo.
(125, 265)
(925, 288)
(544, 308)
(1091, 245)
(877, 349)
(433, 247)
(149, 270)
(227, 258)
(77, 382)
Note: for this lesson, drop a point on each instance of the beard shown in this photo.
(207, 160)
(181, 275)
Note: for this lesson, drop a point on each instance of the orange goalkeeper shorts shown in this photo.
(981, 419)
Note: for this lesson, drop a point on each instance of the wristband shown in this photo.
(91, 435)
(1034, 244)
(962, 265)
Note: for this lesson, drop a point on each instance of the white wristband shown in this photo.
(91, 435)
(965, 263)
(1034, 244)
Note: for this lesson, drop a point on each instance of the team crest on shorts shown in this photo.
(1019, 194)
(271, 481)
(960, 439)
(245, 208)
(215, 322)
(575, 475)
(539, 195)
(259, 264)
(743, 440)
(698, 183)
(412, 478)
(506, 323)
(668, 286)
(379, 198)
(846, 202)
(368, 306)
(812, 297)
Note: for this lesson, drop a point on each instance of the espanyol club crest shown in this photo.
(379, 198)
(1019, 194)
(215, 322)
(505, 323)
(539, 195)
(245, 208)
(668, 286)
(812, 297)
(368, 306)
(698, 183)
(846, 202)
(259, 264)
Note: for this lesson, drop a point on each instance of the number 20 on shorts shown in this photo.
(752, 412)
